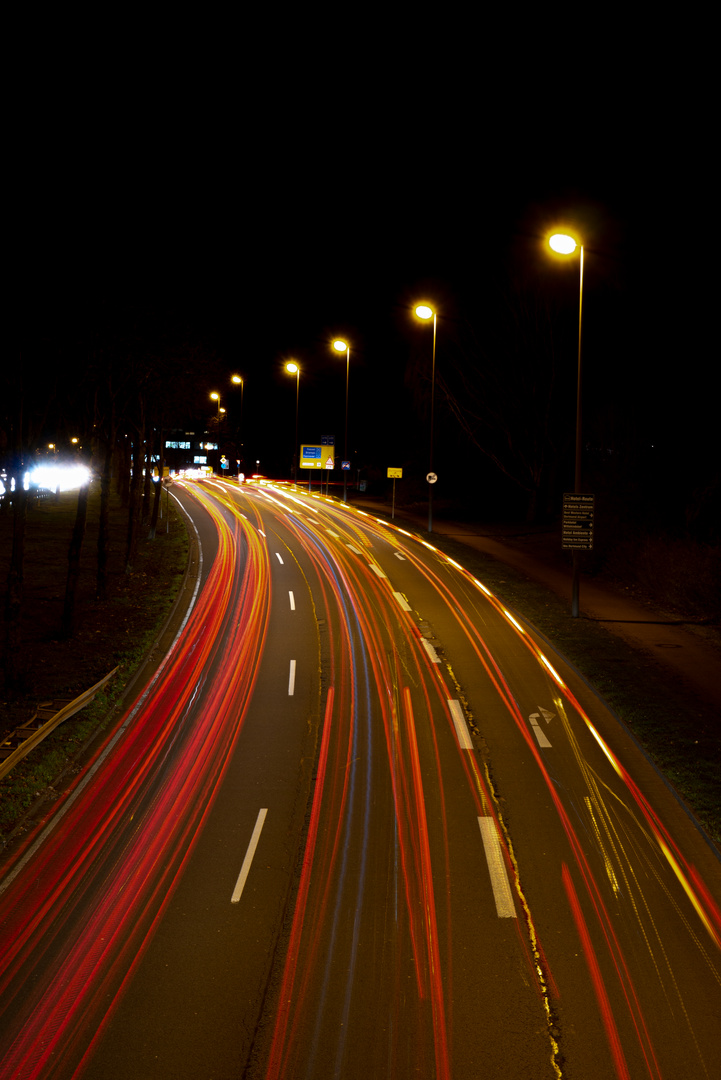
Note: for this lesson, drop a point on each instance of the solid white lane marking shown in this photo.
(377, 570)
(402, 601)
(291, 679)
(354, 549)
(459, 722)
(245, 868)
(399, 556)
(292, 600)
(540, 735)
(497, 869)
(433, 655)
(278, 557)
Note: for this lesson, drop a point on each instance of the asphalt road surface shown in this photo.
(363, 823)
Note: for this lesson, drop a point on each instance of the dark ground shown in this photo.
(116, 632)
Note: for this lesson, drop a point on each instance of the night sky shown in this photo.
(259, 210)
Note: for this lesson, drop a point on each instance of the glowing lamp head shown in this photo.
(236, 379)
(215, 396)
(292, 368)
(563, 244)
(339, 346)
(424, 312)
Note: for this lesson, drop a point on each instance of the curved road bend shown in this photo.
(361, 825)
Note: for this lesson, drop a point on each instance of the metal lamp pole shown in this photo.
(423, 311)
(294, 369)
(566, 245)
(341, 346)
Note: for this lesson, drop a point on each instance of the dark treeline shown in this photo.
(109, 388)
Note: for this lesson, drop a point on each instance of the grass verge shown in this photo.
(117, 632)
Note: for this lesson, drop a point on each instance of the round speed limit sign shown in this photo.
(431, 478)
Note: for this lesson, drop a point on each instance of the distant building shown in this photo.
(190, 450)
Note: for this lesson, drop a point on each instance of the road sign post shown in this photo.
(431, 478)
(577, 535)
(394, 474)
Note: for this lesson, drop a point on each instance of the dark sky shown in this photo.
(269, 206)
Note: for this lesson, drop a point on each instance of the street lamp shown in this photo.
(424, 312)
(341, 346)
(294, 369)
(563, 244)
(238, 381)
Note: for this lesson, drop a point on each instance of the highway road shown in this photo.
(363, 823)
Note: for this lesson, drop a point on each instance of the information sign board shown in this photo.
(311, 457)
(577, 521)
(395, 474)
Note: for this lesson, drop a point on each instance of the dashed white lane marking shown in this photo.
(459, 722)
(292, 600)
(331, 533)
(402, 601)
(279, 558)
(354, 549)
(245, 868)
(377, 570)
(497, 869)
(433, 655)
(291, 679)
(540, 735)
(399, 556)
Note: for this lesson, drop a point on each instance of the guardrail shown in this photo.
(47, 717)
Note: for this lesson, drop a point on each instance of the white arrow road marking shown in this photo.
(547, 716)
(245, 868)
(459, 722)
(542, 740)
(497, 869)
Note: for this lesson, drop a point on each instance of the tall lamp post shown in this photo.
(423, 311)
(341, 346)
(239, 381)
(563, 244)
(294, 369)
(215, 396)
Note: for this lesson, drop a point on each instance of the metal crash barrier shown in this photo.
(47, 717)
